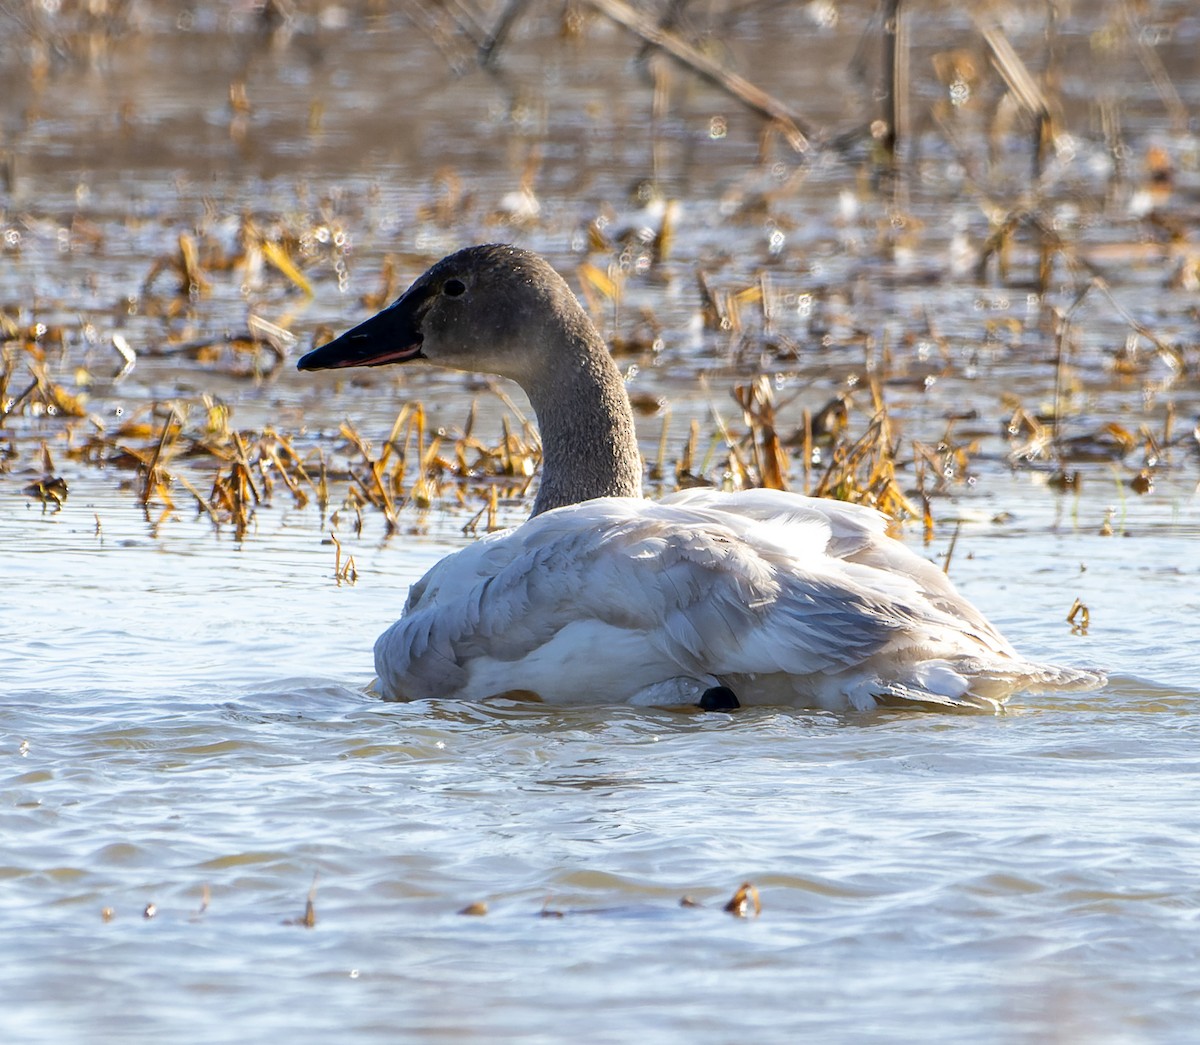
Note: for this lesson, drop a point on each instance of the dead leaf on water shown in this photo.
(477, 909)
(1079, 618)
(744, 902)
(52, 491)
(310, 909)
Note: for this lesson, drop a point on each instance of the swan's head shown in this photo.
(490, 309)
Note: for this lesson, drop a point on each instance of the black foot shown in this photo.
(718, 698)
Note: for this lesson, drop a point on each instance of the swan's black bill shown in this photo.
(391, 336)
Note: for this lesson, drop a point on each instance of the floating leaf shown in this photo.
(744, 902)
(477, 909)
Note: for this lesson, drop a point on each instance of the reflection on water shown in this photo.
(187, 722)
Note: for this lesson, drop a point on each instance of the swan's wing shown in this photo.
(858, 542)
(945, 651)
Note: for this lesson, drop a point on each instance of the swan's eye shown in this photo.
(454, 288)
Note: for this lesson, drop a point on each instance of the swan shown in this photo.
(702, 597)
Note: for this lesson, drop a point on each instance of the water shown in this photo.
(188, 714)
(187, 722)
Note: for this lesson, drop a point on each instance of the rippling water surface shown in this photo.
(189, 751)
(186, 727)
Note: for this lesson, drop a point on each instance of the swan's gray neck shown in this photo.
(589, 446)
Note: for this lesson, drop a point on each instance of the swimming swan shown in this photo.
(604, 597)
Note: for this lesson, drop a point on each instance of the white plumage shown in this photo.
(782, 599)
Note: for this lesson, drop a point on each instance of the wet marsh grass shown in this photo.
(985, 97)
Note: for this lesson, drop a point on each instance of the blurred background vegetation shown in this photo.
(920, 242)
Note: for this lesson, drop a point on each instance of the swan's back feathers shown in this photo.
(786, 599)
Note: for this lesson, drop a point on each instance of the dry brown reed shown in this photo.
(981, 93)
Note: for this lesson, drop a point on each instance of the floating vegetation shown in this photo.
(343, 572)
(477, 909)
(309, 919)
(1079, 618)
(808, 318)
(51, 492)
(849, 449)
(171, 447)
(744, 902)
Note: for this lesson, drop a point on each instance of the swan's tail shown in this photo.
(1046, 678)
(972, 685)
